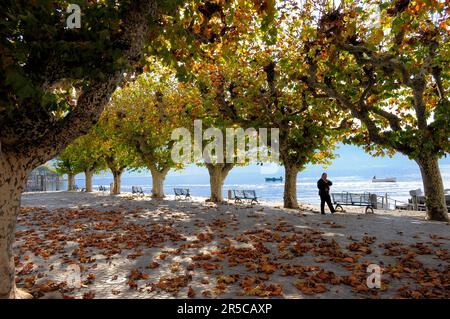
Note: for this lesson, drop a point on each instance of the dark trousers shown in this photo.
(325, 198)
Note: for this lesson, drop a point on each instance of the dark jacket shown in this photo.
(324, 187)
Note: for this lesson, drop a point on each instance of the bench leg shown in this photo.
(339, 208)
(369, 208)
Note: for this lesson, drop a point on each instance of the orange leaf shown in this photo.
(191, 292)
(268, 268)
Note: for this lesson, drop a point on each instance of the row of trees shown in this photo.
(133, 132)
(375, 73)
(381, 99)
(230, 87)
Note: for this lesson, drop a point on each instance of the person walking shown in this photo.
(323, 184)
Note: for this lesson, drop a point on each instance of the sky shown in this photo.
(351, 160)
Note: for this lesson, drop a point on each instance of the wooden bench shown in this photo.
(181, 192)
(240, 195)
(352, 199)
(137, 190)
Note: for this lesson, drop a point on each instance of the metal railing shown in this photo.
(43, 183)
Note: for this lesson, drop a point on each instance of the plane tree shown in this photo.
(218, 77)
(116, 153)
(41, 61)
(309, 130)
(395, 81)
(66, 163)
(254, 83)
(56, 79)
(211, 85)
(85, 155)
(143, 115)
(221, 115)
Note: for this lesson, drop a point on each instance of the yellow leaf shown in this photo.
(377, 36)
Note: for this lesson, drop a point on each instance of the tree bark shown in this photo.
(117, 181)
(433, 187)
(13, 175)
(91, 102)
(217, 175)
(290, 186)
(70, 182)
(117, 171)
(88, 184)
(158, 178)
(15, 166)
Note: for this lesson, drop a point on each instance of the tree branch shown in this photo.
(361, 113)
(91, 102)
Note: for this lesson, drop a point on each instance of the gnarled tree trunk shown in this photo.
(117, 174)
(158, 178)
(37, 150)
(433, 187)
(117, 171)
(88, 185)
(290, 186)
(70, 182)
(217, 175)
(13, 175)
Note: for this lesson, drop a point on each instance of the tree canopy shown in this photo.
(143, 115)
(395, 80)
(375, 73)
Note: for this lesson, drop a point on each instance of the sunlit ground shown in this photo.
(144, 248)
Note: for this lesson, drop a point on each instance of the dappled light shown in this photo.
(191, 249)
(131, 88)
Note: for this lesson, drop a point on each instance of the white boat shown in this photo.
(384, 180)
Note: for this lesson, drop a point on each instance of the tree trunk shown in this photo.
(13, 171)
(70, 182)
(290, 186)
(433, 187)
(13, 175)
(217, 175)
(158, 178)
(116, 186)
(88, 184)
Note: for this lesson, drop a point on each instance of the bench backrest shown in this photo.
(136, 189)
(181, 191)
(360, 198)
(249, 194)
(238, 193)
(340, 197)
(420, 200)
